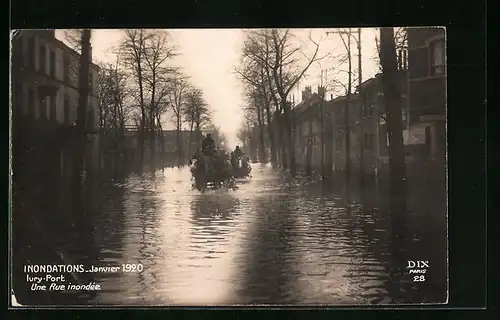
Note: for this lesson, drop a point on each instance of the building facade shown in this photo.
(307, 129)
(322, 122)
(427, 92)
(320, 127)
(190, 141)
(45, 86)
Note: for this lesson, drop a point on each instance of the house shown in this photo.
(307, 128)
(337, 109)
(427, 92)
(45, 90)
(190, 140)
(369, 129)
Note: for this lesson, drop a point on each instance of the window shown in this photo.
(428, 140)
(42, 107)
(53, 114)
(338, 144)
(66, 66)
(90, 121)
(66, 110)
(91, 82)
(42, 63)
(437, 57)
(370, 110)
(32, 102)
(31, 52)
(53, 64)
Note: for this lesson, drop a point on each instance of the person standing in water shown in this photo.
(208, 150)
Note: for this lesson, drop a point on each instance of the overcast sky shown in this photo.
(209, 56)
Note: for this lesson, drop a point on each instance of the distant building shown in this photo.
(190, 140)
(367, 128)
(422, 85)
(427, 91)
(45, 84)
(307, 129)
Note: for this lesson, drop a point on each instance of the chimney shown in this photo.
(400, 64)
(321, 91)
(90, 53)
(306, 93)
(405, 59)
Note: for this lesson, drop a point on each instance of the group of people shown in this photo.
(210, 155)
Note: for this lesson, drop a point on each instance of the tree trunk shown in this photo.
(322, 138)
(162, 142)
(179, 142)
(309, 150)
(152, 135)
(388, 59)
(288, 145)
(198, 134)
(270, 132)
(329, 148)
(142, 127)
(191, 125)
(81, 123)
(262, 146)
(282, 142)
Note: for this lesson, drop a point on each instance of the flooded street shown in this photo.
(267, 242)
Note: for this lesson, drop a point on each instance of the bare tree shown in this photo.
(177, 97)
(252, 72)
(245, 132)
(132, 49)
(347, 45)
(114, 112)
(158, 75)
(145, 54)
(275, 50)
(392, 97)
(400, 42)
(196, 113)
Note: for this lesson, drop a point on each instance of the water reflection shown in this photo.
(272, 241)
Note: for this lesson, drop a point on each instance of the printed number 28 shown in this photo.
(418, 278)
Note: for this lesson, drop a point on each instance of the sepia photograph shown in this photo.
(228, 167)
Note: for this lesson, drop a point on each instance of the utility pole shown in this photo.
(350, 33)
(322, 136)
(362, 102)
(347, 101)
(360, 77)
(348, 130)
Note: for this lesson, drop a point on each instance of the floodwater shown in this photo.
(270, 241)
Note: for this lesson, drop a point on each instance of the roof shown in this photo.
(72, 51)
(305, 105)
(60, 44)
